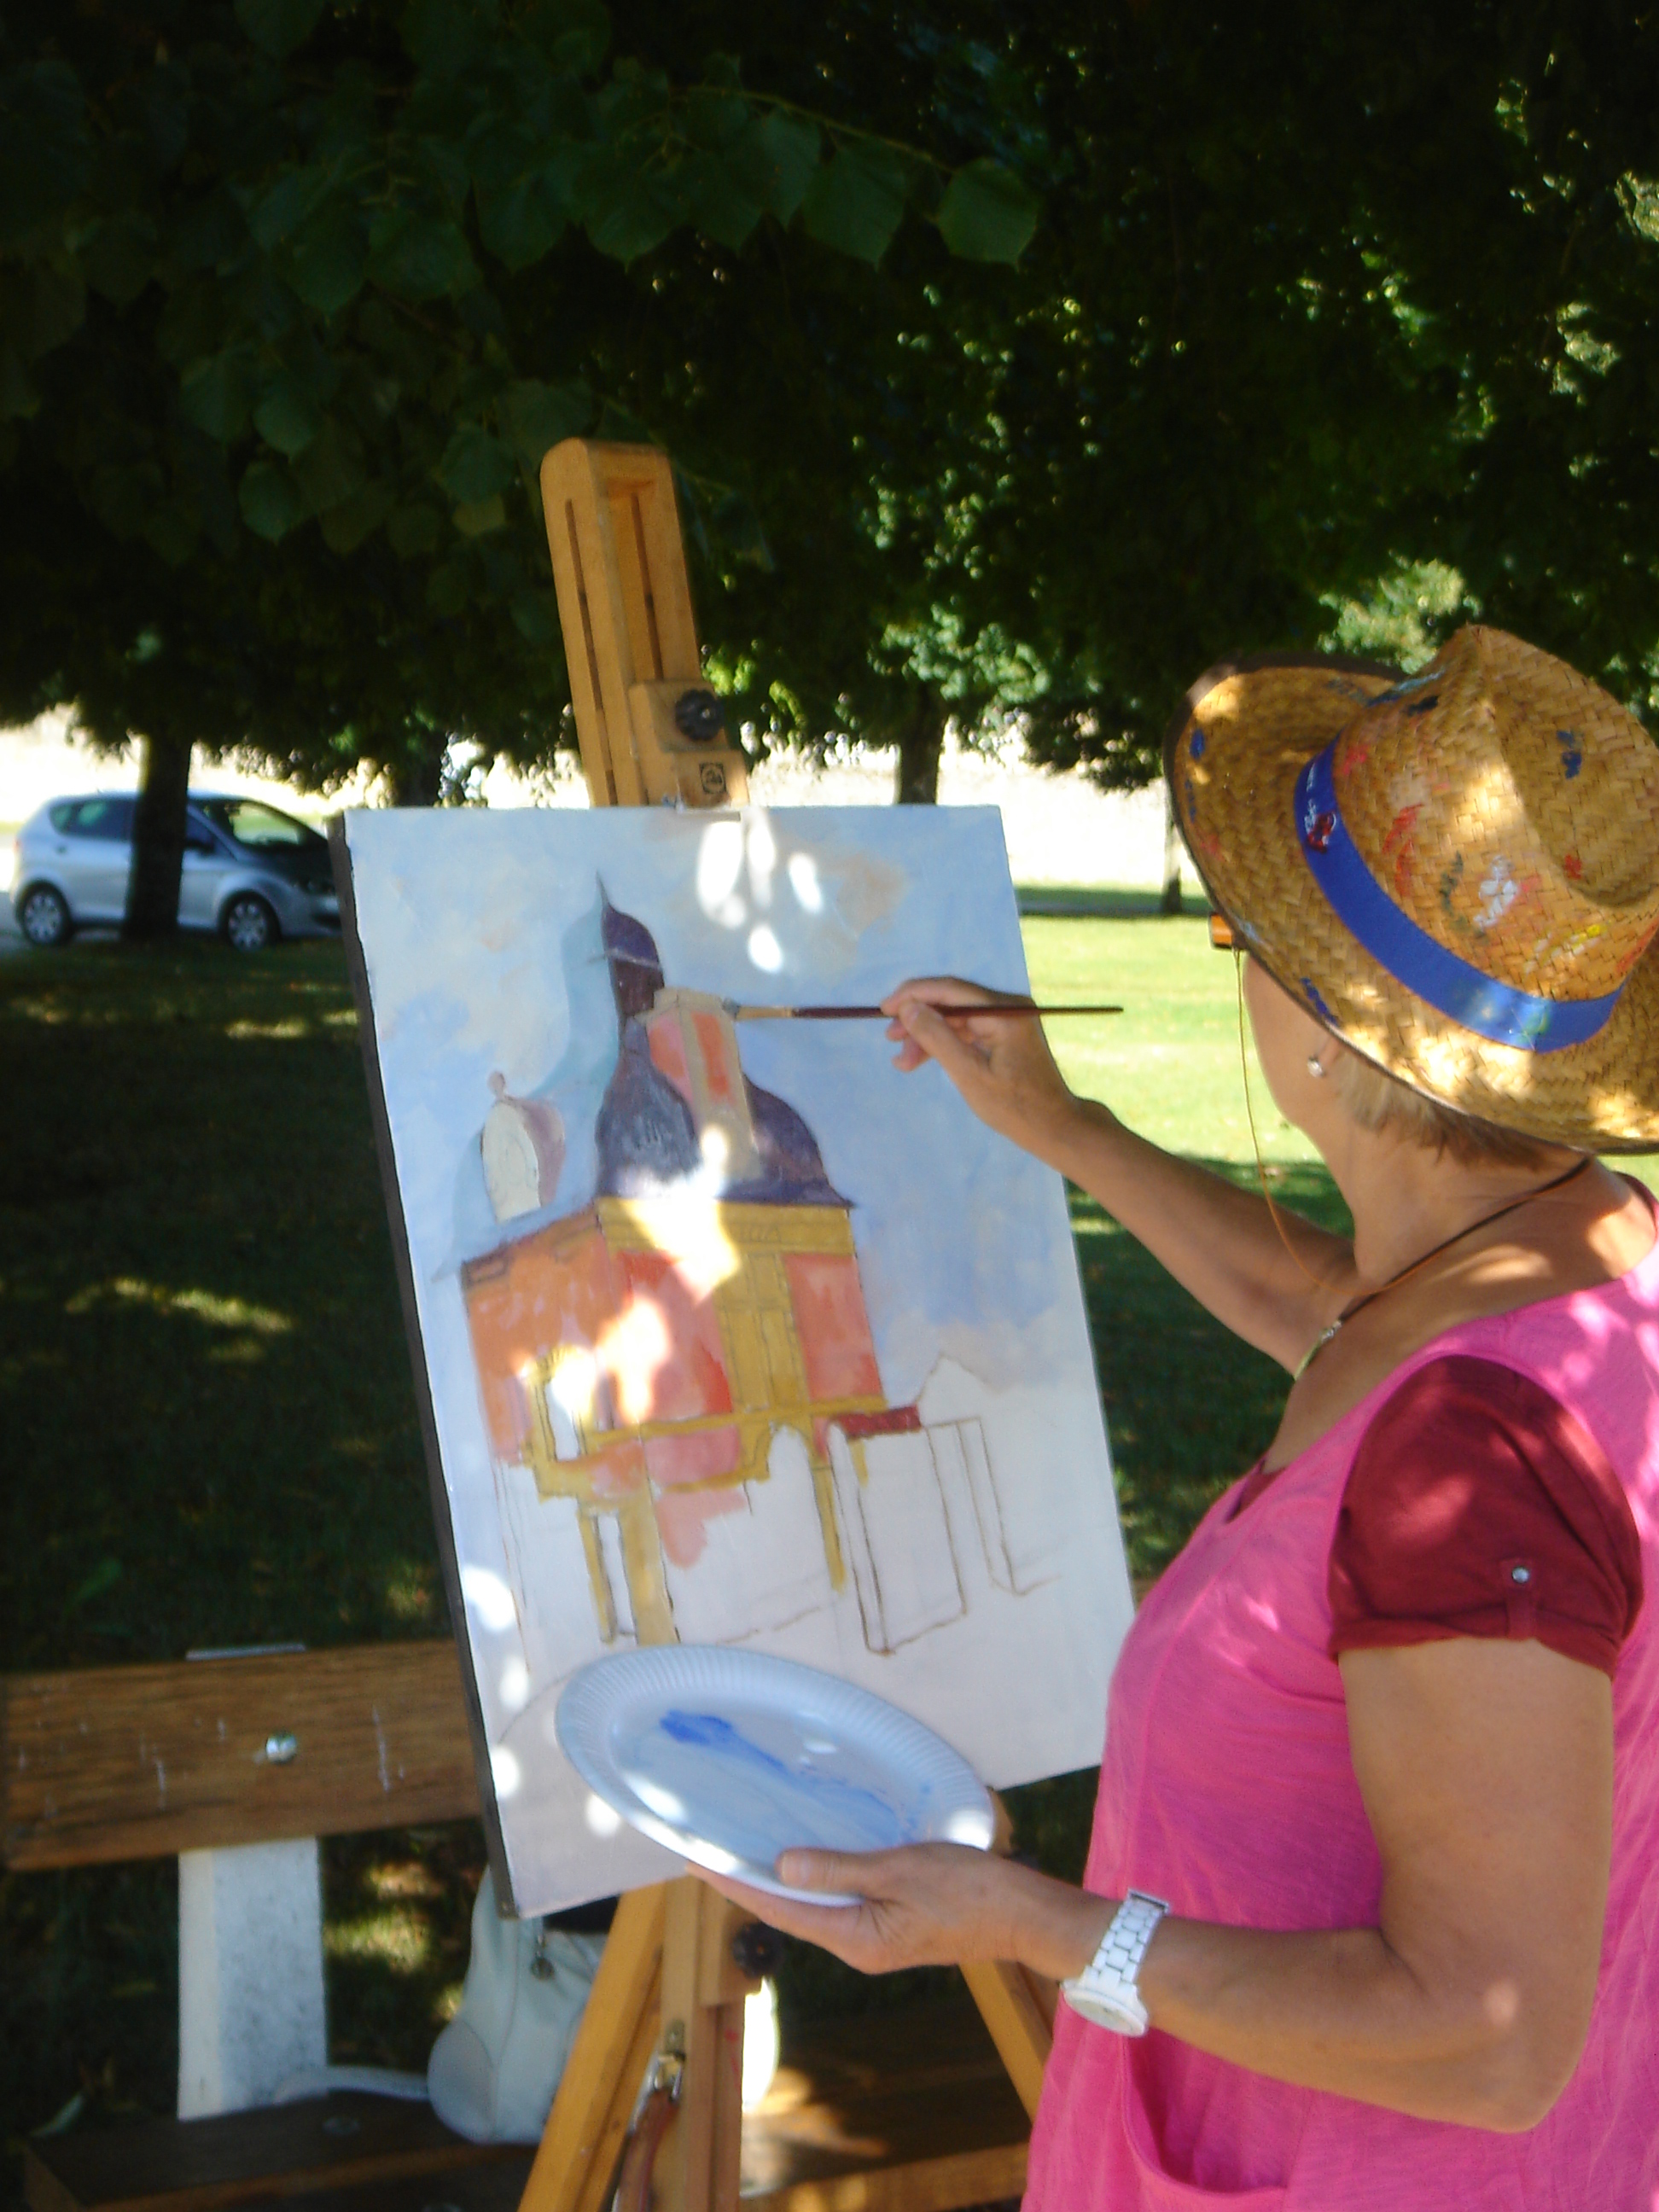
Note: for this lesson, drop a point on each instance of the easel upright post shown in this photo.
(650, 732)
(650, 735)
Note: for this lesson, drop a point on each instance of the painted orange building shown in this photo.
(641, 1355)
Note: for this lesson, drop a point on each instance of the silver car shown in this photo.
(250, 872)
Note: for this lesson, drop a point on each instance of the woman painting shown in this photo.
(1370, 1916)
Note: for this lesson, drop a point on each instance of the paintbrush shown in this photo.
(740, 1013)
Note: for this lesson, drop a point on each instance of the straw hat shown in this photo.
(1456, 871)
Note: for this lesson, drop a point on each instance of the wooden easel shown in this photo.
(669, 1993)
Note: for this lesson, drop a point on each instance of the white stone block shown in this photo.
(250, 2010)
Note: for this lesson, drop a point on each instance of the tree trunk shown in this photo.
(920, 741)
(1170, 902)
(414, 773)
(158, 841)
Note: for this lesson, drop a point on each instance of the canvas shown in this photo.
(729, 1333)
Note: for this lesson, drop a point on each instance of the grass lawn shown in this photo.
(210, 1438)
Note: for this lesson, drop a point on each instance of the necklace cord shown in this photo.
(1457, 1236)
(1366, 1297)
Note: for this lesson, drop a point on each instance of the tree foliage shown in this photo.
(295, 295)
(1321, 296)
(294, 299)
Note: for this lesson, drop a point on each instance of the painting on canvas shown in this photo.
(729, 1333)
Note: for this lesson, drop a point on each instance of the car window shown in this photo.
(106, 817)
(253, 823)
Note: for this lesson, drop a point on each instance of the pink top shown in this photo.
(1226, 1787)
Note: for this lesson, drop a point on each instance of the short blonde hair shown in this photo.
(1379, 1102)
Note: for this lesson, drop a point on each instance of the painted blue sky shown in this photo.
(481, 935)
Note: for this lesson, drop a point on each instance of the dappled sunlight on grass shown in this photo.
(394, 1938)
(199, 1305)
(398, 1912)
(282, 1032)
(409, 1593)
(197, 1310)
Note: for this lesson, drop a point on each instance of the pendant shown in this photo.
(1317, 1347)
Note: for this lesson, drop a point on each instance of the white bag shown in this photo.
(494, 2069)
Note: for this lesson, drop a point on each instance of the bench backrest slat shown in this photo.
(135, 1762)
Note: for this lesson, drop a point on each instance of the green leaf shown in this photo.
(286, 418)
(475, 466)
(192, 323)
(122, 494)
(277, 27)
(119, 261)
(45, 306)
(446, 591)
(104, 1577)
(535, 617)
(572, 35)
(209, 232)
(987, 213)
(277, 214)
(213, 394)
(328, 260)
(537, 416)
(620, 426)
(786, 150)
(18, 397)
(738, 527)
(520, 220)
(46, 153)
(345, 527)
(414, 530)
(161, 102)
(331, 467)
(421, 257)
(629, 210)
(477, 518)
(855, 205)
(722, 206)
(271, 501)
(439, 35)
(172, 531)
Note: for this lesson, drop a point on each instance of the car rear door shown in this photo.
(96, 835)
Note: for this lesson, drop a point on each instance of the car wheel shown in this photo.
(249, 924)
(43, 915)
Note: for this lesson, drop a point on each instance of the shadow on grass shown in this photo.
(205, 1390)
(209, 1431)
(1188, 1406)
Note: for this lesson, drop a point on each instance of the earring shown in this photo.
(1315, 1066)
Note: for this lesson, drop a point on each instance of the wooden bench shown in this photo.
(238, 1764)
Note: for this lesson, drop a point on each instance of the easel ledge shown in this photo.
(669, 1993)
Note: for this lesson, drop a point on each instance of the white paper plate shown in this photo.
(730, 1757)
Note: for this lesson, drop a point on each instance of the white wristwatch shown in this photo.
(1106, 1991)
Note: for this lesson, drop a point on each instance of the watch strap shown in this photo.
(1107, 1992)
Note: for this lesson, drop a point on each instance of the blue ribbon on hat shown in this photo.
(1450, 984)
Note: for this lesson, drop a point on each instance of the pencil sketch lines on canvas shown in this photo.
(688, 1356)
